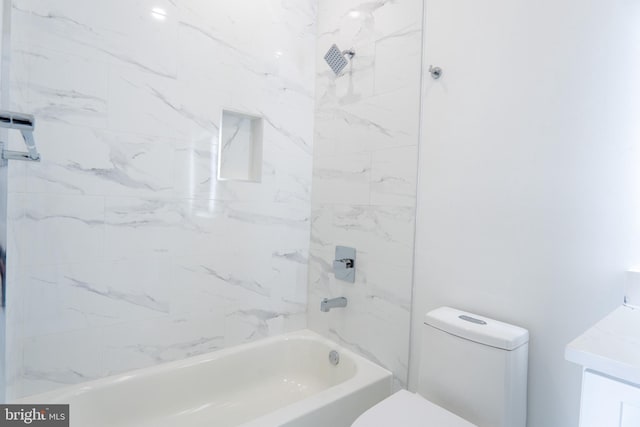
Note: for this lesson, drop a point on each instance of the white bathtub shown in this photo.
(280, 381)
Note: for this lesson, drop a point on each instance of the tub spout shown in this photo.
(327, 304)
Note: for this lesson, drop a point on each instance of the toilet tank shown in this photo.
(475, 367)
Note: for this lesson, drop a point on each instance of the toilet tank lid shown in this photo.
(477, 328)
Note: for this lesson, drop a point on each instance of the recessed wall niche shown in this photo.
(240, 147)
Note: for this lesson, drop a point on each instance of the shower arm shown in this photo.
(26, 124)
(349, 52)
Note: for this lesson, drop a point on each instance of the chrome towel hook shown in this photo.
(26, 124)
(436, 72)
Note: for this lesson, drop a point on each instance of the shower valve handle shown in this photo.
(341, 264)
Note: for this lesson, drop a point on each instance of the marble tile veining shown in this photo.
(364, 175)
(125, 249)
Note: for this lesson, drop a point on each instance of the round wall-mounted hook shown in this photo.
(436, 72)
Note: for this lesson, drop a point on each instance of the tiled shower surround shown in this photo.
(125, 250)
(364, 175)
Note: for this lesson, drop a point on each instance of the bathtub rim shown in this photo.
(366, 373)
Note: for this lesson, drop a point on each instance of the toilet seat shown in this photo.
(408, 409)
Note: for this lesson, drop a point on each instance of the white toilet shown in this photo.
(473, 372)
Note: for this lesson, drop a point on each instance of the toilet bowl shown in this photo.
(408, 409)
(473, 372)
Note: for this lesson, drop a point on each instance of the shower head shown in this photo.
(337, 59)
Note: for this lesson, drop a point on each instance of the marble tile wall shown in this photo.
(125, 250)
(364, 175)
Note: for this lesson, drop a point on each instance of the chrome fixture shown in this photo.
(334, 357)
(327, 304)
(337, 59)
(436, 72)
(472, 319)
(26, 124)
(344, 265)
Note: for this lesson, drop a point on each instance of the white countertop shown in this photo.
(612, 346)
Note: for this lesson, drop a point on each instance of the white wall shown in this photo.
(364, 175)
(128, 251)
(527, 189)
